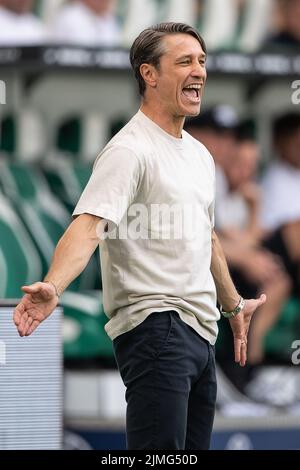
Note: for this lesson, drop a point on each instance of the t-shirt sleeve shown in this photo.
(211, 208)
(112, 186)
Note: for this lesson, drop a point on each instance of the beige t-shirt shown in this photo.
(158, 192)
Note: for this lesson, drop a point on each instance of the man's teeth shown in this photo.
(196, 87)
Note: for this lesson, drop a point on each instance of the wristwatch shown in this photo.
(235, 311)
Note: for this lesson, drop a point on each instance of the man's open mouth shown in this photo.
(192, 92)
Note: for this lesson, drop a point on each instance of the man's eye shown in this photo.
(185, 62)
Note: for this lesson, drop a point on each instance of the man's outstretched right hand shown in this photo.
(38, 303)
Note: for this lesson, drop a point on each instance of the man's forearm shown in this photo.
(74, 251)
(227, 294)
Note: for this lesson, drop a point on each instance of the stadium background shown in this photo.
(60, 103)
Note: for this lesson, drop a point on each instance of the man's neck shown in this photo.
(170, 124)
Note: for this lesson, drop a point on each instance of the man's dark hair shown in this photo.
(147, 48)
(285, 125)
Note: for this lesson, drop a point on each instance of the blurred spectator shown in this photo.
(253, 268)
(18, 25)
(289, 34)
(88, 23)
(238, 221)
(281, 194)
(216, 129)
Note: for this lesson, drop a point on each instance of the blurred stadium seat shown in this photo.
(43, 214)
(140, 14)
(15, 129)
(220, 18)
(184, 12)
(256, 24)
(20, 265)
(82, 134)
(242, 24)
(84, 320)
(23, 265)
(47, 10)
(66, 178)
(4, 275)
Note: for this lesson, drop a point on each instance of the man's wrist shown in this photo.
(55, 288)
(232, 313)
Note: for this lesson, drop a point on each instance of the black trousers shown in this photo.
(170, 379)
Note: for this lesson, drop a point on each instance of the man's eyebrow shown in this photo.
(188, 56)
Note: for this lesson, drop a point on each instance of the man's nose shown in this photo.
(198, 71)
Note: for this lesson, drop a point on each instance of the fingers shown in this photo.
(23, 319)
(19, 310)
(22, 323)
(262, 299)
(237, 350)
(27, 326)
(240, 351)
(243, 355)
(33, 327)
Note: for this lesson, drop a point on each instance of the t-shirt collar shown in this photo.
(175, 140)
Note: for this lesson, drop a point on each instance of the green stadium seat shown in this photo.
(44, 216)
(84, 335)
(46, 222)
(3, 275)
(23, 133)
(67, 178)
(78, 140)
(20, 265)
(23, 264)
(21, 180)
(82, 135)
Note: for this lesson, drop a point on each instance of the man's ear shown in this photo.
(149, 74)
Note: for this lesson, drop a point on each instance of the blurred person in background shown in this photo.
(18, 25)
(254, 269)
(87, 23)
(216, 129)
(289, 33)
(280, 215)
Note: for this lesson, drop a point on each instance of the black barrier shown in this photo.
(263, 64)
